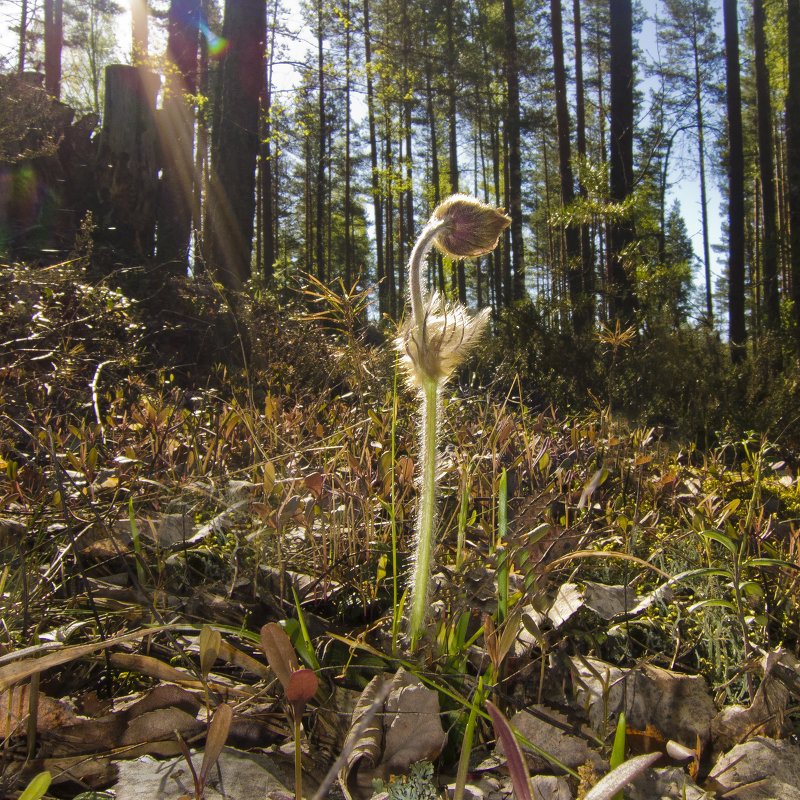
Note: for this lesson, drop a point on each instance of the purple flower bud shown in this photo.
(471, 228)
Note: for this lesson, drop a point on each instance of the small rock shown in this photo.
(667, 783)
(678, 706)
(759, 769)
(471, 791)
(766, 716)
(244, 776)
(551, 738)
(550, 787)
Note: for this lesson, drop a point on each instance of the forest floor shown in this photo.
(206, 513)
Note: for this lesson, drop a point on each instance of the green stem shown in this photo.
(298, 759)
(421, 247)
(426, 519)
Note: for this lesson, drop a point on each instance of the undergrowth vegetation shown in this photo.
(236, 464)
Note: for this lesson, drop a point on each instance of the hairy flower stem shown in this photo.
(433, 342)
(426, 512)
(421, 246)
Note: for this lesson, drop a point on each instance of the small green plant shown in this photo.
(38, 785)
(417, 785)
(433, 342)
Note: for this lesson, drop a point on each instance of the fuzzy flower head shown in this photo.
(437, 336)
(448, 333)
(471, 228)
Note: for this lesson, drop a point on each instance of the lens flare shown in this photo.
(217, 45)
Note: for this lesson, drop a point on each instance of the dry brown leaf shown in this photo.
(242, 660)
(215, 740)
(160, 724)
(147, 665)
(19, 671)
(14, 708)
(409, 730)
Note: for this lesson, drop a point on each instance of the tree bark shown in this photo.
(766, 164)
(514, 157)
(53, 44)
(793, 156)
(736, 321)
(587, 264)
(571, 232)
(620, 279)
(321, 163)
(348, 213)
(129, 155)
(176, 196)
(377, 204)
(232, 187)
(23, 37)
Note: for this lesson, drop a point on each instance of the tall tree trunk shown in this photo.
(702, 166)
(793, 156)
(177, 189)
(736, 321)
(348, 209)
(377, 204)
(23, 36)
(53, 43)
(389, 201)
(766, 164)
(587, 265)
(434, 145)
(232, 189)
(620, 283)
(201, 169)
(514, 158)
(571, 232)
(320, 255)
(459, 275)
(267, 173)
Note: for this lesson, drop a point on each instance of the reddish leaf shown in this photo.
(302, 687)
(279, 652)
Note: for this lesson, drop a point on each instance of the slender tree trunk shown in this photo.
(736, 321)
(434, 145)
(389, 167)
(201, 154)
(587, 265)
(620, 284)
(232, 187)
(793, 157)
(348, 210)
(373, 151)
(498, 252)
(267, 173)
(766, 170)
(702, 166)
(514, 157)
(176, 193)
(322, 141)
(459, 275)
(53, 43)
(571, 232)
(23, 36)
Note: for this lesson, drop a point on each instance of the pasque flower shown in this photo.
(433, 342)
